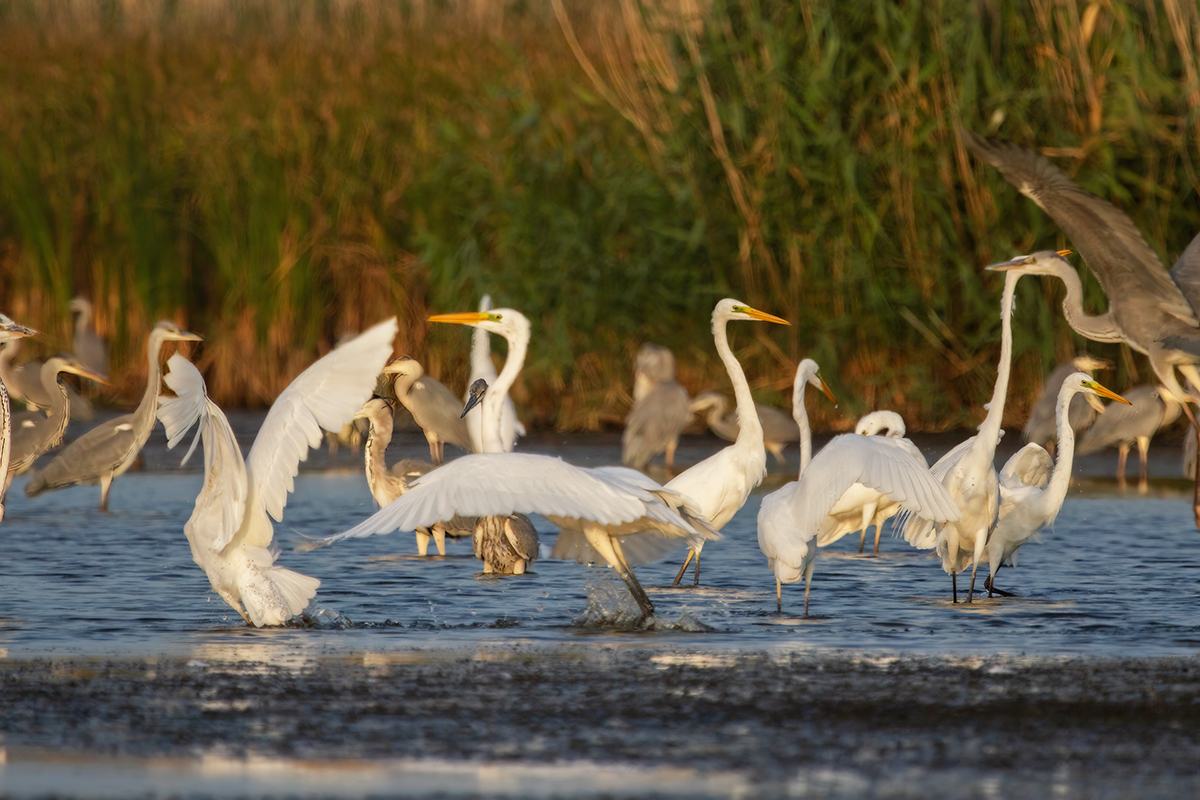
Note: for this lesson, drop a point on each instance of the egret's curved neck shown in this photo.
(493, 401)
(989, 430)
(1060, 479)
(1097, 327)
(144, 415)
(800, 415)
(750, 428)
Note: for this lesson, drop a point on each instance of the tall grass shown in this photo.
(277, 174)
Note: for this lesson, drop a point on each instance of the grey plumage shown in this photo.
(1040, 428)
(88, 345)
(24, 382)
(661, 409)
(506, 544)
(434, 407)
(33, 432)
(109, 450)
(1122, 426)
(779, 429)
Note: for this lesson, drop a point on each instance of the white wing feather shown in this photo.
(326, 395)
(1029, 466)
(487, 484)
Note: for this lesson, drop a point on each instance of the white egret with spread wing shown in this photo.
(230, 530)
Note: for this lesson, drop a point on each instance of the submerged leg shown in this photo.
(1122, 454)
(683, 569)
(808, 573)
(610, 550)
(778, 596)
(422, 541)
(878, 533)
(105, 484)
(1143, 444)
(862, 541)
(953, 587)
(439, 539)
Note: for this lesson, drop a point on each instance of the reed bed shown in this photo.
(275, 175)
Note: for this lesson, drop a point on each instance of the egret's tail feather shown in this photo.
(272, 594)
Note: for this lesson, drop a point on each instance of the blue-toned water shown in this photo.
(1117, 576)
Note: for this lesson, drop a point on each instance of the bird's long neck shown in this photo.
(800, 414)
(750, 429)
(379, 436)
(144, 415)
(493, 401)
(5, 441)
(1060, 478)
(60, 406)
(989, 430)
(1097, 327)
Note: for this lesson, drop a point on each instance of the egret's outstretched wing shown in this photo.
(918, 531)
(486, 484)
(1113, 248)
(1029, 466)
(326, 395)
(221, 504)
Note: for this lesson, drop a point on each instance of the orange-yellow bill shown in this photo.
(1105, 392)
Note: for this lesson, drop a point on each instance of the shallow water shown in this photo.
(1116, 577)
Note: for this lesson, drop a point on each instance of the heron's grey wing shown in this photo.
(326, 395)
(1186, 272)
(1029, 466)
(1127, 267)
(221, 505)
(487, 484)
(409, 469)
(88, 458)
(654, 422)
(777, 426)
(1040, 428)
(1124, 423)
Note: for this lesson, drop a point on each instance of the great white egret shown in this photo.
(108, 450)
(33, 432)
(88, 346)
(9, 331)
(482, 368)
(1148, 408)
(388, 484)
(1041, 427)
(860, 507)
(720, 484)
(779, 430)
(230, 530)
(968, 473)
(610, 514)
(1027, 505)
(659, 414)
(434, 407)
(790, 519)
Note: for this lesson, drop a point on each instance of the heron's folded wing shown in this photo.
(326, 395)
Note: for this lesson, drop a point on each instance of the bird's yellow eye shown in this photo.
(495, 317)
(741, 309)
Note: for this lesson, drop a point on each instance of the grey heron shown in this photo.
(25, 384)
(658, 415)
(88, 346)
(611, 515)
(9, 331)
(970, 476)
(1148, 409)
(482, 368)
(434, 407)
(1029, 502)
(230, 529)
(33, 432)
(388, 484)
(720, 484)
(1042, 426)
(108, 450)
(779, 430)
(654, 364)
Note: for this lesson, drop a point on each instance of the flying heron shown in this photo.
(1041, 427)
(1148, 409)
(434, 407)
(33, 432)
(388, 484)
(9, 331)
(779, 430)
(108, 450)
(611, 515)
(230, 530)
(658, 415)
(720, 484)
(1029, 502)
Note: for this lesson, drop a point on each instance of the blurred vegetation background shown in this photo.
(275, 173)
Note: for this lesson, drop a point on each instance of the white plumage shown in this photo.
(482, 367)
(230, 530)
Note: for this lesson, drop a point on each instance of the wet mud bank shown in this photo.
(888, 726)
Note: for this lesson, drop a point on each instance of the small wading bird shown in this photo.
(108, 450)
(386, 485)
(1149, 309)
(791, 518)
(1028, 502)
(230, 532)
(33, 432)
(1147, 409)
(779, 430)
(860, 507)
(1042, 425)
(719, 485)
(968, 473)
(659, 414)
(482, 368)
(609, 514)
(9, 331)
(434, 407)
